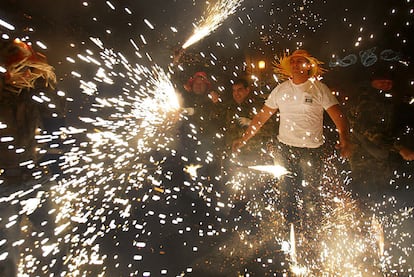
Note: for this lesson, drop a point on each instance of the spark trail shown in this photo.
(215, 15)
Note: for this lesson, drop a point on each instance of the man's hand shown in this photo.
(254, 127)
(189, 111)
(237, 144)
(345, 148)
(177, 55)
(214, 96)
(406, 153)
(244, 121)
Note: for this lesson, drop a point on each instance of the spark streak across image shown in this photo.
(126, 200)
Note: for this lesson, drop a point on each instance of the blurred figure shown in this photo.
(201, 105)
(22, 180)
(377, 135)
(200, 86)
(24, 66)
(199, 136)
(239, 111)
(301, 102)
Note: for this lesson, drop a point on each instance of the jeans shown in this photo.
(300, 192)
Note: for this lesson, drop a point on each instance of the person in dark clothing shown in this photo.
(22, 178)
(201, 109)
(377, 136)
(199, 139)
(238, 113)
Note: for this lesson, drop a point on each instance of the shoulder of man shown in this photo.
(321, 85)
(281, 86)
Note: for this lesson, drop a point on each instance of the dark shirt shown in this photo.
(234, 130)
(372, 119)
(19, 117)
(206, 114)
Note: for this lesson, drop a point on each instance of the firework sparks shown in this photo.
(277, 170)
(192, 170)
(118, 190)
(214, 17)
(379, 235)
(7, 25)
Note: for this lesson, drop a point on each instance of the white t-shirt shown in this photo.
(301, 111)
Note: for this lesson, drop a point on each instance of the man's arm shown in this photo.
(341, 123)
(257, 122)
(406, 153)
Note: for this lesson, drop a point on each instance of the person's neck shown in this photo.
(298, 79)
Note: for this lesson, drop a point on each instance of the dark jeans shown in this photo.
(300, 194)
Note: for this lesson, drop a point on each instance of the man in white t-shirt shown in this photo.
(301, 101)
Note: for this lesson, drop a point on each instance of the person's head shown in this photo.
(198, 83)
(382, 80)
(300, 63)
(240, 90)
(382, 84)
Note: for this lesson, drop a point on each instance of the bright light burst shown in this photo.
(277, 170)
(215, 15)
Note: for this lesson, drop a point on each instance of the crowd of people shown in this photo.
(245, 129)
(288, 124)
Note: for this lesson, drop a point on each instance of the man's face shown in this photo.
(199, 85)
(382, 84)
(240, 93)
(299, 65)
